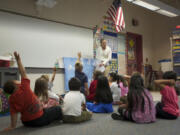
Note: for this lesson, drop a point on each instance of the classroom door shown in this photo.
(134, 57)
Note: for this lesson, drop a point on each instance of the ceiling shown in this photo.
(86, 13)
(173, 3)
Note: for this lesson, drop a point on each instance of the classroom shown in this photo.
(94, 67)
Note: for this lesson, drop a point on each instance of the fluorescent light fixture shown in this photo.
(146, 5)
(158, 7)
(130, 0)
(167, 13)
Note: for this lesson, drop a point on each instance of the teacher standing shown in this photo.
(103, 56)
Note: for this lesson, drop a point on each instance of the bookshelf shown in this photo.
(175, 50)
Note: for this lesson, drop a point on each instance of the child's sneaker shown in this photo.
(116, 116)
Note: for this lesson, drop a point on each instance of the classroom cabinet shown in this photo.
(8, 74)
(175, 51)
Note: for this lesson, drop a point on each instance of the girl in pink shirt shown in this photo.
(168, 108)
(123, 85)
(139, 107)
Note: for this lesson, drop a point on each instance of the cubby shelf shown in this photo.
(175, 51)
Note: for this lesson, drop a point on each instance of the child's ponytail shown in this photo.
(118, 80)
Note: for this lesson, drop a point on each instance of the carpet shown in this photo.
(101, 124)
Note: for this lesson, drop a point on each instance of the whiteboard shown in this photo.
(40, 42)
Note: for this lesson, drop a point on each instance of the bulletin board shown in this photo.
(117, 43)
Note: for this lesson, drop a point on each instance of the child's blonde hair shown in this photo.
(78, 66)
(46, 77)
(41, 89)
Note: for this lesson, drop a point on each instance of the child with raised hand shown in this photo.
(23, 100)
(140, 107)
(50, 83)
(51, 94)
(103, 97)
(168, 108)
(81, 76)
(115, 88)
(41, 91)
(93, 85)
(4, 104)
(74, 109)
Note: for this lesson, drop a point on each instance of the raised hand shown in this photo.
(20, 65)
(172, 82)
(54, 69)
(54, 74)
(16, 55)
(79, 55)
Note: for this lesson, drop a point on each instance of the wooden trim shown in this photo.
(44, 19)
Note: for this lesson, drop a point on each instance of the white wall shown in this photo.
(162, 31)
(145, 27)
(58, 82)
(155, 29)
(40, 42)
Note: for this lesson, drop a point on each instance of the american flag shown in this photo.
(116, 12)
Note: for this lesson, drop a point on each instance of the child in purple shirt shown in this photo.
(140, 107)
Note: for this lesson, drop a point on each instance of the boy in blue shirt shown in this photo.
(81, 76)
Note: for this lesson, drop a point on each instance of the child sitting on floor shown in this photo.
(115, 88)
(123, 85)
(51, 94)
(93, 85)
(81, 76)
(4, 104)
(140, 107)
(23, 100)
(74, 108)
(168, 108)
(124, 88)
(103, 97)
(41, 91)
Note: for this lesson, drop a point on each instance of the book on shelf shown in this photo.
(178, 27)
(175, 50)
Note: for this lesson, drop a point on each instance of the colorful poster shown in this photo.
(108, 24)
(131, 50)
(114, 65)
(112, 42)
(116, 42)
(121, 44)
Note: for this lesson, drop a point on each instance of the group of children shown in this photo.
(135, 102)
